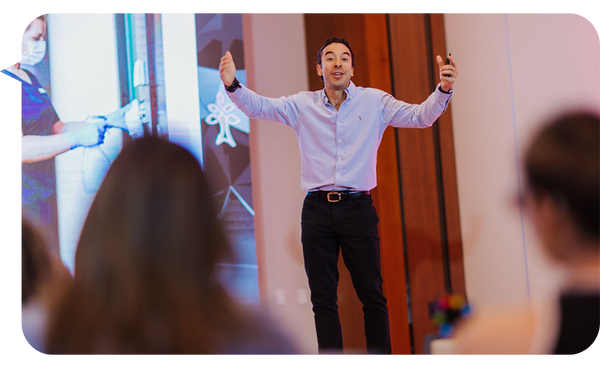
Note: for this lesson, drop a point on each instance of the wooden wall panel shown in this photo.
(411, 69)
(386, 196)
(448, 169)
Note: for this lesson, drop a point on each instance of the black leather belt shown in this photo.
(338, 196)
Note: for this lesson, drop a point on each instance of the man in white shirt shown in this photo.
(339, 130)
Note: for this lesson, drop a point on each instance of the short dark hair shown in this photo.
(329, 41)
(563, 161)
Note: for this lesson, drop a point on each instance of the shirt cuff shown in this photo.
(441, 90)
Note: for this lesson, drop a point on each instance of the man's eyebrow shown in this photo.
(331, 52)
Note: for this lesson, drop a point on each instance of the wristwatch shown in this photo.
(440, 88)
(235, 85)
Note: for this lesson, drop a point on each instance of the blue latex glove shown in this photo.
(90, 135)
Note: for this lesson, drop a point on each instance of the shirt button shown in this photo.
(340, 140)
(340, 157)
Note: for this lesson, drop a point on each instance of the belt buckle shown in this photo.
(333, 200)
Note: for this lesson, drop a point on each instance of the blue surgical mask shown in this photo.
(36, 50)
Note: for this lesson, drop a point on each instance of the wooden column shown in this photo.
(428, 181)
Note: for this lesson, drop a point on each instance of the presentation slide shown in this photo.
(148, 75)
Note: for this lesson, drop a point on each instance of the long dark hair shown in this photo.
(145, 262)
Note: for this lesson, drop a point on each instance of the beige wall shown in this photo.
(275, 55)
(515, 71)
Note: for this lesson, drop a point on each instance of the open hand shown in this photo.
(448, 73)
(227, 69)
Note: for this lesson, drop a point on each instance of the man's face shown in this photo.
(336, 66)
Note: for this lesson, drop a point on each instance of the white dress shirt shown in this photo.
(338, 149)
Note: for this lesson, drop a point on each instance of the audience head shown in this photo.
(145, 262)
(153, 213)
(562, 169)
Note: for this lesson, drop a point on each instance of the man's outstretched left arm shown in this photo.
(400, 114)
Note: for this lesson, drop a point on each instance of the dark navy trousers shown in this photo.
(349, 225)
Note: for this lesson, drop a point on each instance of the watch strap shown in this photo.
(235, 85)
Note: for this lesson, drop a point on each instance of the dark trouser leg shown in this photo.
(356, 226)
(321, 251)
(351, 224)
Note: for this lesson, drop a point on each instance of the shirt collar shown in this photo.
(350, 91)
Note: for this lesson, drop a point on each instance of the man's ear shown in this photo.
(319, 70)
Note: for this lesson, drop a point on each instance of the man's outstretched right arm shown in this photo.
(282, 110)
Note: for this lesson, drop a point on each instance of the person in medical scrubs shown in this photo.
(42, 135)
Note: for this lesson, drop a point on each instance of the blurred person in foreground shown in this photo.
(146, 274)
(43, 279)
(561, 200)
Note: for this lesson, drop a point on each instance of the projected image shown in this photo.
(46, 135)
(225, 143)
(91, 84)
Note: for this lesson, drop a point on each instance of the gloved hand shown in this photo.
(133, 119)
(116, 118)
(91, 134)
(128, 118)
